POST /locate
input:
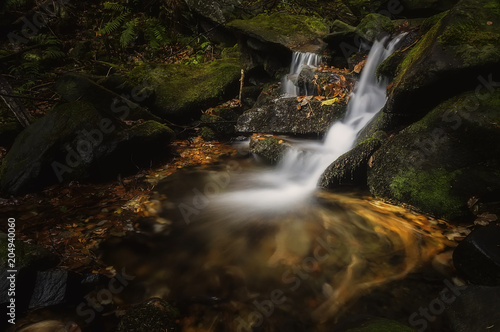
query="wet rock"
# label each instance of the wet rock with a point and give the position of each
(458, 49)
(477, 257)
(152, 315)
(183, 91)
(281, 116)
(270, 149)
(351, 167)
(438, 163)
(475, 310)
(76, 141)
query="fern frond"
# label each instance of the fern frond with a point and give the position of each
(129, 32)
(113, 25)
(155, 33)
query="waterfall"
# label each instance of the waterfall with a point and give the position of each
(289, 86)
(295, 178)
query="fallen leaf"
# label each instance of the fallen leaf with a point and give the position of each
(329, 101)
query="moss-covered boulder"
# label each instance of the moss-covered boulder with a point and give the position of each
(126, 105)
(75, 141)
(183, 91)
(294, 32)
(287, 116)
(269, 149)
(350, 168)
(438, 163)
(373, 26)
(462, 45)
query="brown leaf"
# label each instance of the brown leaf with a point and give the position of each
(359, 66)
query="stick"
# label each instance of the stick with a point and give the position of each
(241, 85)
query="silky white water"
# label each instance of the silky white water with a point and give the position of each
(299, 60)
(295, 178)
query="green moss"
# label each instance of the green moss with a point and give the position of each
(429, 190)
(291, 30)
(270, 149)
(181, 87)
(207, 134)
(374, 24)
(150, 128)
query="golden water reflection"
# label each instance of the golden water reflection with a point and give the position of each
(233, 271)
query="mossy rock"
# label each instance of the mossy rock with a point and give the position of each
(182, 91)
(375, 25)
(281, 116)
(295, 32)
(350, 169)
(28, 255)
(75, 87)
(9, 127)
(438, 163)
(75, 141)
(460, 46)
(381, 325)
(220, 126)
(270, 149)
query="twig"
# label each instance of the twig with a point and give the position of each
(241, 85)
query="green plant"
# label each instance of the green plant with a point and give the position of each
(130, 26)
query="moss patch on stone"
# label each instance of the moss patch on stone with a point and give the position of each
(428, 190)
(292, 31)
(373, 25)
(182, 91)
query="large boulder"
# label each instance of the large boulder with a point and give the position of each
(461, 50)
(287, 116)
(293, 32)
(74, 141)
(183, 91)
(438, 163)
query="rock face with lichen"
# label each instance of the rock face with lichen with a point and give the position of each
(438, 163)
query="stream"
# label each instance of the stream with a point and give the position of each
(262, 249)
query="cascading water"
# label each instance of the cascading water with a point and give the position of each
(299, 60)
(295, 178)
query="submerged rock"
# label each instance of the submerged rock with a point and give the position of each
(282, 116)
(438, 163)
